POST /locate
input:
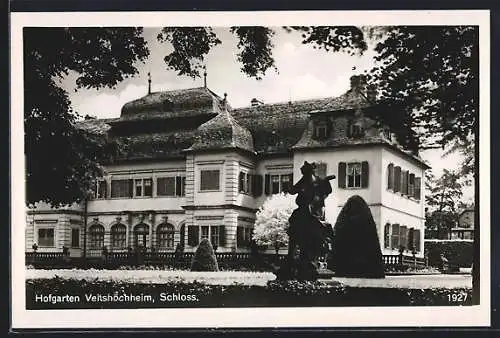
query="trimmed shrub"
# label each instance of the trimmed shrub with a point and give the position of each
(458, 253)
(204, 258)
(356, 247)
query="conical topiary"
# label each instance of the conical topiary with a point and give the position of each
(204, 258)
(356, 246)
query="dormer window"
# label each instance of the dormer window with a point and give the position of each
(356, 130)
(320, 130)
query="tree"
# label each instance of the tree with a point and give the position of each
(204, 258)
(62, 160)
(271, 222)
(428, 75)
(442, 198)
(356, 247)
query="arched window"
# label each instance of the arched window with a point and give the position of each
(141, 235)
(390, 176)
(165, 236)
(118, 236)
(96, 236)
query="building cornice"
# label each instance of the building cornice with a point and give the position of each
(218, 207)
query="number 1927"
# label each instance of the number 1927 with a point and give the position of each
(457, 297)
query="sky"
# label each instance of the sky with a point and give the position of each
(303, 73)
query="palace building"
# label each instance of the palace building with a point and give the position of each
(192, 167)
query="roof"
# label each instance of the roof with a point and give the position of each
(171, 104)
(222, 132)
(352, 99)
(276, 128)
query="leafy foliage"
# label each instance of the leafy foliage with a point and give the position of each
(271, 224)
(191, 45)
(204, 258)
(430, 74)
(458, 253)
(62, 160)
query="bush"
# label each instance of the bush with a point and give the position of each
(204, 258)
(291, 293)
(356, 248)
(458, 253)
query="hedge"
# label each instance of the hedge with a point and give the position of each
(458, 253)
(275, 294)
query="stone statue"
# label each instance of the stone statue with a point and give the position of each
(308, 234)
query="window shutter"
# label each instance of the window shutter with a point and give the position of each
(193, 235)
(395, 236)
(387, 235)
(397, 179)
(222, 236)
(411, 241)
(267, 184)
(390, 176)
(416, 238)
(239, 237)
(365, 174)
(341, 174)
(178, 186)
(418, 182)
(406, 179)
(403, 235)
(131, 188)
(257, 185)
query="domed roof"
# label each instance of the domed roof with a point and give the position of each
(172, 104)
(223, 132)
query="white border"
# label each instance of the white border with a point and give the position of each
(244, 317)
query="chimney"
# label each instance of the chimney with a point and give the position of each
(254, 102)
(371, 93)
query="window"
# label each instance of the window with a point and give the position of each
(46, 237)
(275, 184)
(121, 188)
(418, 182)
(243, 237)
(118, 236)
(245, 183)
(141, 235)
(143, 187)
(214, 233)
(214, 236)
(321, 170)
(101, 189)
(403, 237)
(411, 185)
(353, 175)
(183, 235)
(205, 230)
(165, 234)
(321, 130)
(96, 236)
(171, 186)
(396, 236)
(75, 238)
(209, 180)
(356, 130)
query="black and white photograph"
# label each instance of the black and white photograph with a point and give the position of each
(259, 169)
